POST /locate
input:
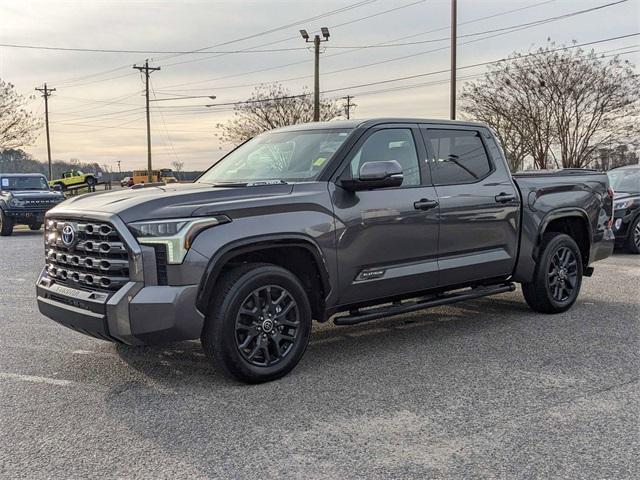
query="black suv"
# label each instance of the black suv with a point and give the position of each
(625, 182)
(24, 199)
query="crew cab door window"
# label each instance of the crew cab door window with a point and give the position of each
(459, 157)
(390, 144)
(386, 242)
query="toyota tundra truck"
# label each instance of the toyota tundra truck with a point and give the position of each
(349, 220)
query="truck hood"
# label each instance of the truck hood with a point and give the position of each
(35, 194)
(171, 201)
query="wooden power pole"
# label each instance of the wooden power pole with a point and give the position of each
(348, 106)
(147, 72)
(46, 93)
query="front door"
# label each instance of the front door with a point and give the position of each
(387, 239)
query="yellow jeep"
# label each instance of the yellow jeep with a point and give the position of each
(74, 177)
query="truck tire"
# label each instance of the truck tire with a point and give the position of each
(258, 324)
(6, 225)
(633, 240)
(91, 181)
(557, 277)
(35, 226)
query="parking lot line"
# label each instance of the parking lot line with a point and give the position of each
(34, 379)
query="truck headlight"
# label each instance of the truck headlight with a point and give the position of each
(15, 202)
(176, 234)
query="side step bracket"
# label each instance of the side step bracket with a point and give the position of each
(444, 299)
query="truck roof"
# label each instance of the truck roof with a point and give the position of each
(370, 122)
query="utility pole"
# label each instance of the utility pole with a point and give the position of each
(46, 93)
(454, 63)
(348, 106)
(316, 77)
(147, 72)
(119, 169)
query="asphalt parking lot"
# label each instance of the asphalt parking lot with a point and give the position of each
(485, 389)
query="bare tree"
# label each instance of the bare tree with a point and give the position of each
(18, 127)
(271, 106)
(556, 105)
(178, 166)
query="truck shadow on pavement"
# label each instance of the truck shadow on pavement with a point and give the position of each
(183, 362)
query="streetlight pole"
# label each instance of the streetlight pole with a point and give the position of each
(316, 71)
(454, 34)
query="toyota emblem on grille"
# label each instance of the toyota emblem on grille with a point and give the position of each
(68, 235)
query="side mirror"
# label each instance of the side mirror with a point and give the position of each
(382, 174)
(56, 188)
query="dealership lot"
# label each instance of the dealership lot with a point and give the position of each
(482, 389)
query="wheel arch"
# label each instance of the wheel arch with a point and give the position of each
(297, 253)
(573, 222)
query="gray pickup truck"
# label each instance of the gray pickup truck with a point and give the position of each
(24, 200)
(365, 219)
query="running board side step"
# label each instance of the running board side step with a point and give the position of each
(444, 299)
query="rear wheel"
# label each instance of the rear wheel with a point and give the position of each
(557, 277)
(633, 240)
(259, 323)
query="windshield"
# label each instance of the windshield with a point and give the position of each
(625, 180)
(296, 156)
(23, 183)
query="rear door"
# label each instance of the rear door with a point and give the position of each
(479, 204)
(387, 238)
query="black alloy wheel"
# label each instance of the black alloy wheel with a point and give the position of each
(267, 325)
(563, 274)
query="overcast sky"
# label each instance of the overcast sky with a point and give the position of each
(97, 110)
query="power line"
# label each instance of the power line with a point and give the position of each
(294, 37)
(408, 77)
(500, 32)
(282, 27)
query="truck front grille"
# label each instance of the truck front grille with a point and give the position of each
(86, 255)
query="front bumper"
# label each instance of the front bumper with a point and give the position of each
(26, 215)
(141, 312)
(134, 315)
(622, 220)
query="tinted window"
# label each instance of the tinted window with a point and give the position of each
(459, 157)
(390, 144)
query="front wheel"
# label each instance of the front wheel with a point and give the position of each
(35, 226)
(557, 277)
(91, 181)
(6, 225)
(633, 240)
(259, 323)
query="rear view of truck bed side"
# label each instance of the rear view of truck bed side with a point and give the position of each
(577, 203)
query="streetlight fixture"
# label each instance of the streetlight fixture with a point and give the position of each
(316, 81)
